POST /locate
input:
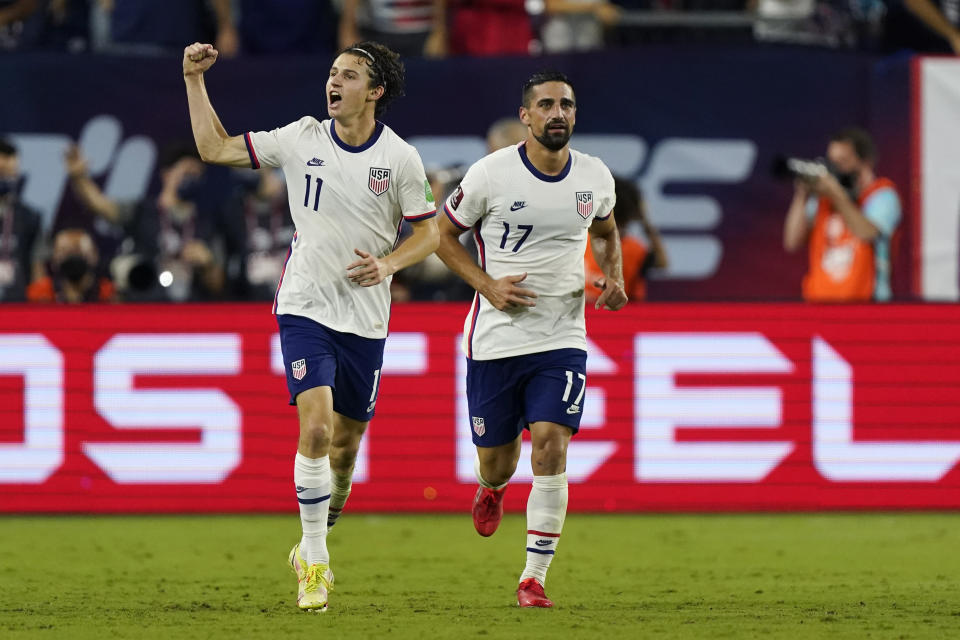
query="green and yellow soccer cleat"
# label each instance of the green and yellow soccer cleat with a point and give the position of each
(314, 582)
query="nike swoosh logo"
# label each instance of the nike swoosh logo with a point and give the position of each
(517, 207)
(544, 543)
(573, 409)
(370, 408)
(301, 489)
(315, 163)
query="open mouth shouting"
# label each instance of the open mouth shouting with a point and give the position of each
(333, 98)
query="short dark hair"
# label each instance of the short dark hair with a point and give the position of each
(386, 69)
(860, 140)
(542, 77)
(7, 148)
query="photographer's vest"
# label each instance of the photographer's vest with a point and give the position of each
(842, 267)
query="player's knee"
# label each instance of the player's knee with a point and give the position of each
(498, 469)
(549, 457)
(343, 455)
(316, 430)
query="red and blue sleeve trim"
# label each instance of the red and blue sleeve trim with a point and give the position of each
(421, 216)
(253, 154)
(606, 217)
(456, 222)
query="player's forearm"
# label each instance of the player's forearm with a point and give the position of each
(417, 246)
(94, 199)
(607, 253)
(458, 260)
(208, 132)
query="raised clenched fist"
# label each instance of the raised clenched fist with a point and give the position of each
(198, 57)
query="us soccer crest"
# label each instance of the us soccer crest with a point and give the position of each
(584, 203)
(478, 427)
(379, 180)
(299, 369)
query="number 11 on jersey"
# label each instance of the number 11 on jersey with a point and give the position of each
(316, 196)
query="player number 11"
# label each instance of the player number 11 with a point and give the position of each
(316, 195)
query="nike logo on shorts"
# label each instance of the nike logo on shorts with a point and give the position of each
(572, 409)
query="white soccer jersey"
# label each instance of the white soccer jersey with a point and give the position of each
(341, 198)
(525, 221)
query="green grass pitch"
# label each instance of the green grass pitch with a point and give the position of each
(431, 576)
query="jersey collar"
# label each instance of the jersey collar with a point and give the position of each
(522, 149)
(377, 130)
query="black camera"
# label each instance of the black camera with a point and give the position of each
(788, 168)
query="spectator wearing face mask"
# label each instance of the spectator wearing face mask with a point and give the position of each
(178, 242)
(19, 229)
(73, 274)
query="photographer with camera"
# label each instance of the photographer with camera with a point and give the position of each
(176, 243)
(847, 216)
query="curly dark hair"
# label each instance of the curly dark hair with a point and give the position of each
(385, 69)
(542, 77)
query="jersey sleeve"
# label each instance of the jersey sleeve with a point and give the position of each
(468, 202)
(268, 148)
(882, 208)
(608, 197)
(416, 197)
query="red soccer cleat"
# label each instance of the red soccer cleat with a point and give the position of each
(530, 594)
(487, 510)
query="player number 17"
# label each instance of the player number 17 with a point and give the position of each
(526, 228)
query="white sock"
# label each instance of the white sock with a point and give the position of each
(480, 480)
(546, 511)
(340, 485)
(312, 477)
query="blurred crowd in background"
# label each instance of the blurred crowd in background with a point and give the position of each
(439, 28)
(213, 233)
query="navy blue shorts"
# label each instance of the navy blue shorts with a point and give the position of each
(317, 356)
(507, 394)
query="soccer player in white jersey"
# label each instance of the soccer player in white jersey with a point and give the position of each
(351, 183)
(531, 208)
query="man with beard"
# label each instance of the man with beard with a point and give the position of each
(847, 217)
(531, 208)
(351, 181)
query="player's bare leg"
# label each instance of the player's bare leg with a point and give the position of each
(347, 434)
(546, 509)
(310, 559)
(494, 466)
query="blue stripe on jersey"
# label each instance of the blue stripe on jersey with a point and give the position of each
(316, 500)
(522, 150)
(253, 156)
(422, 216)
(456, 222)
(541, 551)
(377, 130)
